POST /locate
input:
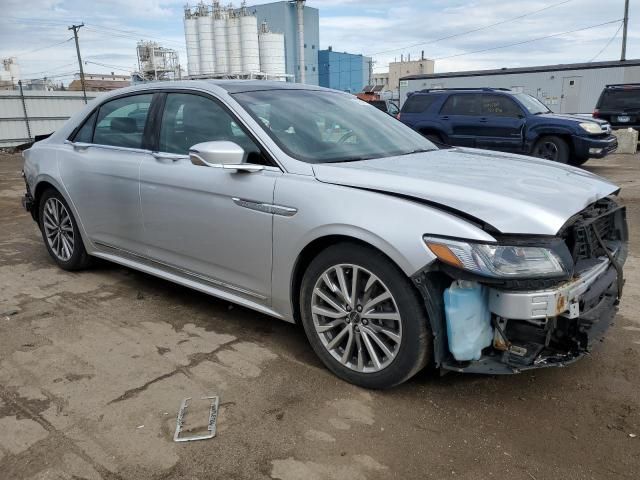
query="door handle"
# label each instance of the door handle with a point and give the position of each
(446, 117)
(483, 120)
(167, 156)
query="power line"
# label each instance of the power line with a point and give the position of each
(470, 31)
(116, 67)
(22, 54)
(607, 44)
(529, 41)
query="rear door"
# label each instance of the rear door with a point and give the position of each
(460, 117)
(100, 171)
(501, 124)
(205, 221)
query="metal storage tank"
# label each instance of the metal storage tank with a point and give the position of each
(192, 42)
(250, 45)
(220, 39)
(272, 59)
(234, 43)
(205, 36)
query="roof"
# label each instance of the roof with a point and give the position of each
(98, 85)
(543, 68)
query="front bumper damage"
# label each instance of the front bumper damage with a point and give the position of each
(537, 328)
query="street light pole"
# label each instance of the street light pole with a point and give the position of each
(75, 29)
(623, 56)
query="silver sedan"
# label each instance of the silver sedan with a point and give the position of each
(312, 206)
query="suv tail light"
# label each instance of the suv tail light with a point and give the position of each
(596, 113)
(398, 116)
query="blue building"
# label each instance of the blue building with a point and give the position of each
(343, 71)
(281, 17)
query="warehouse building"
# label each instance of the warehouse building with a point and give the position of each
(343, 71)
(565, 88)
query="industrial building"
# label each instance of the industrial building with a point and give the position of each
(565, 88)
(390, 80)
(9, 73)
(100, 82)
(156, 62)
(300, 26)
(264, 41)
(343, 71)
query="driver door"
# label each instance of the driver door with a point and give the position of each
(193, 219)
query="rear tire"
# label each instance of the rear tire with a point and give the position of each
(60, 232)
(552, 148)
(577, 162)
(434, 137)
(372, 344)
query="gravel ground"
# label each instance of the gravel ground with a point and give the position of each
(93, 367)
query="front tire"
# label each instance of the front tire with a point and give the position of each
(552, 148)
(60, 232)
(363, 317)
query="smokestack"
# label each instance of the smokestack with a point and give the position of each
(300, 11)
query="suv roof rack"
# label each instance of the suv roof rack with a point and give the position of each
(481, 89)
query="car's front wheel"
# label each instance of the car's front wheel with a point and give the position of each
(60, 232)
(363, 317)
(552, 148)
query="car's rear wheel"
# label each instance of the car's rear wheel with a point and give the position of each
(60, 232)
(577, 162)
(363, 317)
(552, 148)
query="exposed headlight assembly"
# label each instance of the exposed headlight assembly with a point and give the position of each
(498, 261)
(591, 127)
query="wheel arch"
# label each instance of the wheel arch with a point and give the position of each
(311, 250)
(536, 134)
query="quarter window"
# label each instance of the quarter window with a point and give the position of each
(191, 119)
(121, 122)
(418, 103)
(85, 134)
(465, 104)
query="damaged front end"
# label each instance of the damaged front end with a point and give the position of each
(488, 319)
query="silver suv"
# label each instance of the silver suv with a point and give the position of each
(312, 206)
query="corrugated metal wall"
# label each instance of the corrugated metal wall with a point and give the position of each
(563, 91)
(46, 112)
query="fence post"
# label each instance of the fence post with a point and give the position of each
(24, 109)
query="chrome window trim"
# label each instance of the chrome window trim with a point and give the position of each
(182, 271)
(107, 147)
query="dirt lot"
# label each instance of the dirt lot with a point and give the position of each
(93, 367)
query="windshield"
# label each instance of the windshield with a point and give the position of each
(324, 127)
(532, 104)
(621, 100)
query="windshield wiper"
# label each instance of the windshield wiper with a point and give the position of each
(418, 150)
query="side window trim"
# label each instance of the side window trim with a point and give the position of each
(159, 114)
(86, 119)
(151, 135)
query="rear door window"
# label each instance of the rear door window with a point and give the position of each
(462, 104)
(418, 103)
(121, 122)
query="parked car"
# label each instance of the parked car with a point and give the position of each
(499, 119)
(620, 106)
(392, 254)
(387, 106)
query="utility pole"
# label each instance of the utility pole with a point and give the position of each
(623, 56)
(75, 29)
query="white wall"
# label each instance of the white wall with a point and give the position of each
(47, 111)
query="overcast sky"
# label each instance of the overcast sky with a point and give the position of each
(369, 27)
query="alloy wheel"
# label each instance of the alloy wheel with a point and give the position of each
(356, 318)
(58, 228)
(547, 150)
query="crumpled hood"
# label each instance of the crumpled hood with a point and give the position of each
(513, 193)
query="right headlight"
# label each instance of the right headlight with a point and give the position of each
(498, 261)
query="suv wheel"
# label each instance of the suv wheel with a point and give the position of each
(60, 232)
(363, 317)
(552, 148)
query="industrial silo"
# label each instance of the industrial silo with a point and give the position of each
(272, 59)
(192, 42)
(205, 37)
(234, 43)
(250, 45)
(220, 38)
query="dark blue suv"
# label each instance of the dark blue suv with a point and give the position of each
(499, 119)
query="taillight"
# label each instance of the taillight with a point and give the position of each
(398, 116)
(596, 113)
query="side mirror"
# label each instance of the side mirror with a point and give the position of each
(221, 154)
